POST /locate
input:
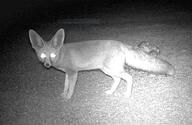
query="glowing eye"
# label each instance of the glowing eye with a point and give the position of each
(52, 55)
(43, 55)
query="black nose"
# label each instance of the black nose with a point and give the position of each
(47, 65)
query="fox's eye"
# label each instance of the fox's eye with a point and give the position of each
(43, 55)
(52, 55)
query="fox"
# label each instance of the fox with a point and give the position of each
(108, 56)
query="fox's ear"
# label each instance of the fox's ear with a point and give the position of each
(58, 39)
(36, 41)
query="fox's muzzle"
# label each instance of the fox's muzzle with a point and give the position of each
(47, 64)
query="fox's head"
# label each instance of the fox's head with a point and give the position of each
(47, 51)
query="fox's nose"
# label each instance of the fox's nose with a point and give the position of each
(47, 65)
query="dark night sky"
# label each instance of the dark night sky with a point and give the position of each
(10, 9)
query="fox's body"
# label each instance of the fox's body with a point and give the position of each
(85, 55)
(107, 55)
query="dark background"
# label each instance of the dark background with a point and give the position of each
(23, 12)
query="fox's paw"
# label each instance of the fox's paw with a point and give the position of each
(68, 96)
(65, 96)
(109, 92)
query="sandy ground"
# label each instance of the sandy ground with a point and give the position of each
(30, 94)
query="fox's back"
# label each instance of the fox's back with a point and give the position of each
(92, 46)
(88, 54)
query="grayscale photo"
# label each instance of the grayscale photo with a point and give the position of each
(96, 62)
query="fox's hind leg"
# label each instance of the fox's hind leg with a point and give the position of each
(117, 72)
(129, 82)
(128, 79)
(116, 78)
(114, 86)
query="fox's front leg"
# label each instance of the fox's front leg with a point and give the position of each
(70, 82)
(66, 86)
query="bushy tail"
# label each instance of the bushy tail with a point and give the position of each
(141, 60)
